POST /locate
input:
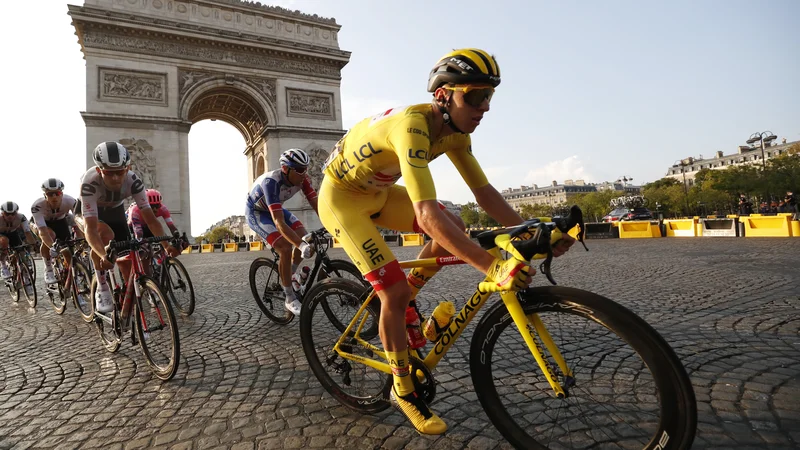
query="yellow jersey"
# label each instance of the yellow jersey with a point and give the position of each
(379, 150)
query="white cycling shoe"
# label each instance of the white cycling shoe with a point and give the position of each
(104, 302)
(293, 306)
(5, 273)
(49, 277)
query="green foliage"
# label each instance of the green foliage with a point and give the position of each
(530, 211)
(470, 214)
(218, 233)
(595, 205)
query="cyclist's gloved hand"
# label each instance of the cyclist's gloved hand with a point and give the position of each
(510, 274)
(172, 251)
(306, 250)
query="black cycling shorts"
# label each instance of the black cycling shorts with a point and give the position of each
(115, 219)
(13, 239)
(60, 228)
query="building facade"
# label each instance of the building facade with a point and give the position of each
(686, 170)
(552, 195)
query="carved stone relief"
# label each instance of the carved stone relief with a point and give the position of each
(318, 156)
(132, 86)
(117, 42)
(187, 79)
(318, 105)
(143, 161)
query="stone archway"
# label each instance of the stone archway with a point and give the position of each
(155, 67)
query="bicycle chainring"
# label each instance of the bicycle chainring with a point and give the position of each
(424, 383)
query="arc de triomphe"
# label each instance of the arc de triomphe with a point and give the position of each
(155, 67)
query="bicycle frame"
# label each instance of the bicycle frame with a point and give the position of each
(321, 260)
(531, 323)
(132, 293)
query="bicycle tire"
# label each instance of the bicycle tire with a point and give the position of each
(340, 268)
(81, 286)
(184, 283)
(272, 291)
(12, 284)
(25, 273)
(110, 335)
(338, 380)
(164, 313)
(615, 369)
(27, 259)
(59, 302)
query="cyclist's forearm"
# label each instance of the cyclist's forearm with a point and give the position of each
(496, 206)
(447, 234)
(45, 235)
(288, 233)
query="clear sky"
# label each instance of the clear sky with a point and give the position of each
(592, 90)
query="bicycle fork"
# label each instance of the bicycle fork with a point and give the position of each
(533, 330)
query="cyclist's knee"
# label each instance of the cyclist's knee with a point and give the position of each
(396, 297)
(3, 241)
(283, 247)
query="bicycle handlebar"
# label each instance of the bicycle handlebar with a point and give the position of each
(534, 239)
(115, 247)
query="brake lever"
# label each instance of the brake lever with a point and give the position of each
(544, 267)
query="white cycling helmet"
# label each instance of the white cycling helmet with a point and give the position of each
(52, 184)
(9, 207)
(295, 158)
(111, 155)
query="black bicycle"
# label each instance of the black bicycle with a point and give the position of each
(268, 292)
(173, 278)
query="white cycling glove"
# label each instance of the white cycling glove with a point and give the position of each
(306, 250)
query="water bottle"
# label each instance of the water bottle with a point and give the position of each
(296, 282)
(439, 320)
(415, 338)
(304, 274)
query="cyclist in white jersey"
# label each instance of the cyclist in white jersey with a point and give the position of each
(11, 224)
(53, 216)
(104, 188)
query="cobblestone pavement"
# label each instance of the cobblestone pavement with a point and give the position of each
(729, 307)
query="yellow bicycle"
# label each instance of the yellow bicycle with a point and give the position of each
(575, 370)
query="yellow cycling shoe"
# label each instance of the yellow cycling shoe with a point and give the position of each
(417, 412)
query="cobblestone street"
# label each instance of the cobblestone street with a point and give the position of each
(729, 307)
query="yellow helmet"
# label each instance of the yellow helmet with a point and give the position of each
(465, 66)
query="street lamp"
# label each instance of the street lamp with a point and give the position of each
(624, 180)
(765, 136)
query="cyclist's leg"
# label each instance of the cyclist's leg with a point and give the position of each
(399, 215)
(4, 244)
(297, 226)
(115, 219)
(348, 216)
(261, 222)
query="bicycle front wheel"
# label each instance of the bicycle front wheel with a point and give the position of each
(265, 285)
(28, 285)
(110, 331)
(157, 330)
(56, 292)
(353, 384)
(179, 286)
(628, 388)
(83, 291)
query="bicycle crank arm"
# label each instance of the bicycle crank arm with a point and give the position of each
(104, 318)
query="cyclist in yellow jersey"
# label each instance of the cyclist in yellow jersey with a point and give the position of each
(359, 192)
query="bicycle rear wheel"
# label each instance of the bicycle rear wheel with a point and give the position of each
(628, 390)
(179, 286)
(83, 291)
(157, 330)
(28, 260)
(353, 384)
(267, 291)
(344, 307)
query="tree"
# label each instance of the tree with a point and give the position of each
(533, 210)
(218, 234)
(469, 214)
(794, 149)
